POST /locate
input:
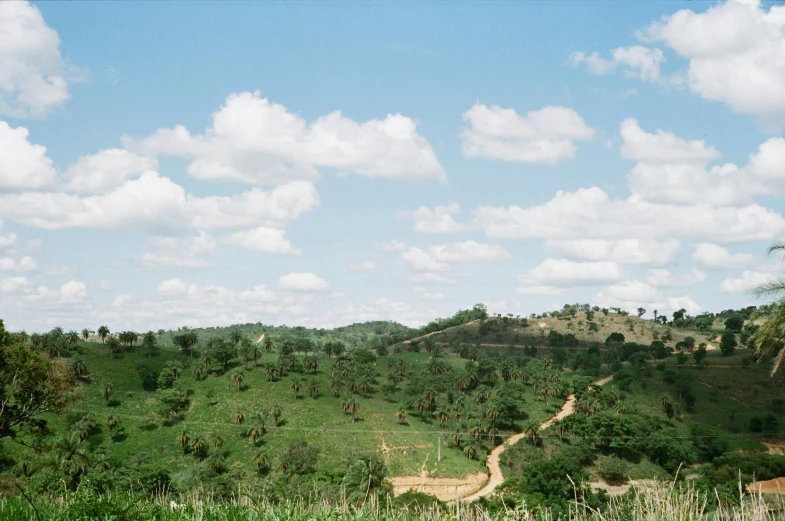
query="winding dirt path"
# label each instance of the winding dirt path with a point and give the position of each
(475, 486)
(496, 479)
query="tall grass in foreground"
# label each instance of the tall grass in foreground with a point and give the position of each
(650, 502)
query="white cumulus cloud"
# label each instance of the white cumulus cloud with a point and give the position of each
(547, 135)
(637, 61)
(32, 78)
(254, 140)
(302, 282)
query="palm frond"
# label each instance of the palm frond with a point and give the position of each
(776, 248)
(770, 335)
(769, 289)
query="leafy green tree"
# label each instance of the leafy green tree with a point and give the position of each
(728, 343)
(734, 323)
(366, 476)
(299, 458)
(221, 351)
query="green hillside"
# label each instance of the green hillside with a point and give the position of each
(303, 412)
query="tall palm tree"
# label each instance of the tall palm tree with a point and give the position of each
(199, 447)
(108, 391)
(103, 332)
(257, 432)
(184, 439)
(236, 336)
(275, 412)
(313, 389)
(261, 461)
(238, 378)
(114, 345)
(112, 421)
(771, 334)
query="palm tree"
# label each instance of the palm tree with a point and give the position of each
(238, 378)
(103, 332)
(401, 416)
(261, 461)
(184, 439)
(86, 334)
(235, 336)
(771, 334)
(112, 421)
(352, 406)
(532, 432)
(275, 412)
(108, 391)
(114, 345)
(79, 368)
(257, 432)
(199, 448)
(313, 389)
(667, 405)
(470, 451)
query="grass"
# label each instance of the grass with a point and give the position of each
(411, 447)
(504, 333)
(650, 502)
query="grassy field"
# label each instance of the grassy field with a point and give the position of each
(408, 448)
(504, 331)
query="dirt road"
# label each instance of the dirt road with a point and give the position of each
(471, 487)
(497, 477)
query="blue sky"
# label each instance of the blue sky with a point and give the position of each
(206, 163)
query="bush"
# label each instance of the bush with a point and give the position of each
(613, 471)
(728, 343)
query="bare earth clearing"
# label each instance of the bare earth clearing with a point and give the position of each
(470, 488)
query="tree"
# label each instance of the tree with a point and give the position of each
(667, 405)
(238, 378)
(275, 412)
(184, 439)
(366, 476)
(108, 391)
(257, 432)
(261, 461)
(112, 422)
(734, 323)
(728, 343)
(114, 346)
(150, 341)
(313, 389)
(772, 333)
(299, 458)
(103, 332)
(221, 351)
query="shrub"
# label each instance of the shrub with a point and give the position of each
(613, 471)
